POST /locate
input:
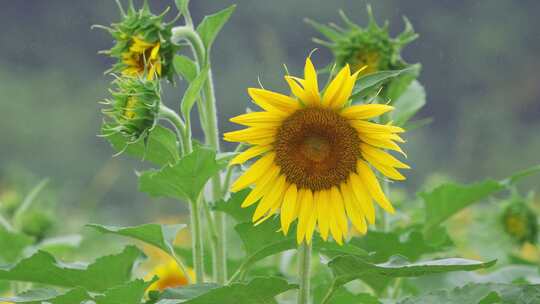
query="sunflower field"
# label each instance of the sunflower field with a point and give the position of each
(327, 179)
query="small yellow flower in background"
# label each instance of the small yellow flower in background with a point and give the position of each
(142, 44)
(520, 222)
(316, 156)
(170, 276)
(371, 46)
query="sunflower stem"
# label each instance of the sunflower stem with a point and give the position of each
(304, 272)
(197, 241)
(179, 126)
(208, 117)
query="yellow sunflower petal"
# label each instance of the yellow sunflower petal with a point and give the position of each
(263, 186)
(298, 90)
(249, 154)
(337, 234)
(310, 229)
(272, 101)
(333, 89)
(289, 207)
(371, 127)
(382, 157)
(362, 197)
(311, 85)
(305, 214)
(373, 186)
(354, 213)
(345, 91)
(387, 171)
(155, 52)
(339, 209)
(254, 173)
(323, 200)
(365, 111)
(383, 143)
(270, 199)
(260, 119)
(252, 135)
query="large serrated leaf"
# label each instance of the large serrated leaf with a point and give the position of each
(212, 25)
(104, 273)
(161, 146)
(408, 242)
(128, 293)
(52, 296)
(347, 268)
(257, 291)
(160, 236)
(481, 294)
(183, 180)
(232, 206)
(12, 245)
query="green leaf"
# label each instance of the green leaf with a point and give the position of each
(212, 24)
(481, 294)
(161, 147)
(51, 296)
(325, 30)
(409, 242)
(265, 240)
(399, 85)
(160, 236)
(105, 272)
(183, 180)
(12, 245)
(257, 291)
(409, 103)
(516, 177)
(232, 206)
(129, 293)
(193, 92)
(185, 67)
(347, 268)
(448, 199)
(343, 296)
(188, 292)
(368, 84)
(59, 244)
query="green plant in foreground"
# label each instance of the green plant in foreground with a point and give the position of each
(324, 154)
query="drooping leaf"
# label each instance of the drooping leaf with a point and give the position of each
(212, 25)
(516, 177)
(183, 180)
(409, 242)
(257, 291)
(185, 67)
(52, 296)
(104, 273)
(12, 245)
(161, 147)
(160, 236)
(193, 92)
(481, 294)
(409, 103)
(347, 268)
(128, 293)
(59, 244)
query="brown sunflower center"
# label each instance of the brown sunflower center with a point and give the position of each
(316, 148)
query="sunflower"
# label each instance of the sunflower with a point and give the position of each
(142, 57)
(316, 156)
(170, 276)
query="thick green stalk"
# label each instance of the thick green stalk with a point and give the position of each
(208, 116)
(197, 242)
(304, 273)
(179, 126)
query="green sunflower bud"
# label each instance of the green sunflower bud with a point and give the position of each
(142, 43)
(134, 108)
(370, 48)
(519, 221)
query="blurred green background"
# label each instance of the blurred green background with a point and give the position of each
(480, 63)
